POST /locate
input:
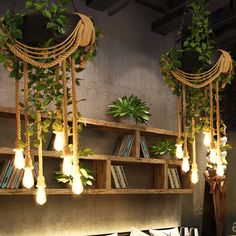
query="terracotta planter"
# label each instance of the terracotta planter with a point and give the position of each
(34, 29)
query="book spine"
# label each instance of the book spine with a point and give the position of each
(123, 185)
(3, 173)
(174, 177)
(130, 145)
(170, 179)
(124, 176)
(126, 139)
(127, 148)
(114, 176)
(20, 178)
(118, 175)
(178, 179)
(15, 179)
(12, 177)
(8, 174)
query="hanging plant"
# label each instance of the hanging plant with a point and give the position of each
(46, 46)
(197, 74)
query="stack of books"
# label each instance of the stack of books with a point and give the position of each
(11, 177)
(124, 145)
(173, 177)
(118, 176)
(144, 147)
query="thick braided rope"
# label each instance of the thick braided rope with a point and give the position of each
(211, 116)
(18, 120)
(194, 142)
(178, 117)
(28, 161)
(74, 116)
(57, 72)
(64, 110)
(85, 35)
(223, 65)
(40, 146)
(184, 119)
(217, 119)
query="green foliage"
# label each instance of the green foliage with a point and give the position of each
(86, 174)
(200, 40)
(163, 147)
(130, 106)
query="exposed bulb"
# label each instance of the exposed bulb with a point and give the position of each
(28, 178)
(194, 177)
(19, 161)
(41, 197)
(67, 165)
(59, 140)
(179, 151)
(213, 156)
(220, 169)
(207, 139)
(77, 186)
(223, 140)
(185, 164)
(224, 154)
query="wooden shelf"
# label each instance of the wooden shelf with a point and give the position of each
(10, 112)
(95, 191)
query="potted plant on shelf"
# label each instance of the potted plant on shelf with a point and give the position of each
(130, 110)
(164, 149)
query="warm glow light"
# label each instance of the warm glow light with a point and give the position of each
(77, 186)
(207, 139)
(213, 156)
(220, 169)
(28, 179)
(67, 165)
(224, 154)
(223, 140)
(41, 197)
(179, 151)
(59, 140)
(194, 177)
(19, 161)
(185, 164)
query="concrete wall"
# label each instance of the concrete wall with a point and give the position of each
(127, 63)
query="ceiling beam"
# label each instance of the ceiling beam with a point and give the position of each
(100, 5)
(173, 18)
(152, 6)
(119, 8)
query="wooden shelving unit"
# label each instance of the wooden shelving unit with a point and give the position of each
(156, 169)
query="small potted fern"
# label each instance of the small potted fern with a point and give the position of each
(130, 110)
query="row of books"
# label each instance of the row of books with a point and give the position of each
(173, 177)
(125, 143)
(118, 176)
(11, 177)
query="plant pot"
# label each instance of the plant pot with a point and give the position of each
(34, 28)
(166, 157)
(129, 120)
(191, 64)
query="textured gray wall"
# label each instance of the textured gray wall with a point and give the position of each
(127, 63)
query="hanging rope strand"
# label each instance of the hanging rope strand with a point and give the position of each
(74, 113)
(218, 118)
(40, 146)
(178, 118)
(211, 116)
(18, 120)
(194, 141)
(184, 119)
(64, 104)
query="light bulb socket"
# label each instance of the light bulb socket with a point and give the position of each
(194, 167)
(41, 181)
(28, 163)
(66, 151)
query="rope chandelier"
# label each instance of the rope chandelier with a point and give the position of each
(59, 56)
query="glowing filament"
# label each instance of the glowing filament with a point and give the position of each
(67, 165)
(179, 151)
(207, 139)
(41, 197)
(213, 156)
(59, 140)
(194, 177)
(28, 179)
(77, 186)
(185, 164)
(220, 169)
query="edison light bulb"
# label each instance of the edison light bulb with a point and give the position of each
(223, 140)
(77, 186)
(194, 177)
(185, 164)
(28, 179)
(213, 156)
(19, 161)
(220, 169)
(67, 165)
(59, 140)
(41, 197)
(179, 151)
(207, 139)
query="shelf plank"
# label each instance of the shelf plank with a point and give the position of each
(10, 113)
(96, 191)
